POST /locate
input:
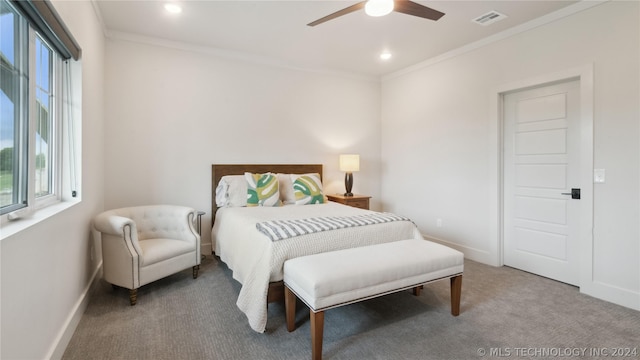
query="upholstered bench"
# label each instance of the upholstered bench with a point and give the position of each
(328, 280)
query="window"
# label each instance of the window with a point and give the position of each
(31, 108)
(46, 123)
(13, 101)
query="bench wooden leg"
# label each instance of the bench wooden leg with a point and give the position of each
(456, 292)
(290, 308)
(317, 328)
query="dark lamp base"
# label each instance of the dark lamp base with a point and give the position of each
(348, 184)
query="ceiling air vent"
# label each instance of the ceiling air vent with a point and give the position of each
(489, 18)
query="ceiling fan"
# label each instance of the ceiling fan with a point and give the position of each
(384, 7)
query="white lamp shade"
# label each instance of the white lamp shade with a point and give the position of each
(350, 162)
(378, 7)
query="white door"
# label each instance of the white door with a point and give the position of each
(541, 166)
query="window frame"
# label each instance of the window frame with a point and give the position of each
(56, 104)
(25, 153)
(20, 180)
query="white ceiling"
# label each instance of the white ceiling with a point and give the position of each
(276, 31)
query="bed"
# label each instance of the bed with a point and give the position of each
(257, 261)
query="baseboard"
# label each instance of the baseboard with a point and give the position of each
(66, 332)
(597, 289)
(206, 249)
(470, 253)
(612, 294)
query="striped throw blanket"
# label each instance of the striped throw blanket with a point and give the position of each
(284, 229)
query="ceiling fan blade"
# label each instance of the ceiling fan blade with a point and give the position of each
(336, 14)
(410, 8)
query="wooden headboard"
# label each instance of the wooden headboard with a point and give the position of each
(220, 170)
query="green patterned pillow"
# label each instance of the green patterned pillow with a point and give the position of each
(307, 189)
(262, 189)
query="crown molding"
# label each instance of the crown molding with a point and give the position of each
(232, 55)
(532, 24)
(278, 63)
(96, 10)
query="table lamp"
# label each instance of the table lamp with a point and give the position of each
(349, 163)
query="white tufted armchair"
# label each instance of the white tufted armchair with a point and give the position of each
(145, 243)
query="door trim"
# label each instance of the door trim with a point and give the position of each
(584, 75)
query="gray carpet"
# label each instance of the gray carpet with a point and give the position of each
(505, 313)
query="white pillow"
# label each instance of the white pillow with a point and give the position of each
(286, 189)
(222, 196)
(234, 188)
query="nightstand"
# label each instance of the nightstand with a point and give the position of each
(359, 201)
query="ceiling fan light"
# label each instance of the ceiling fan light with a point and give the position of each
(378, 7)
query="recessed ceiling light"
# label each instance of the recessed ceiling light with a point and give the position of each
(173, 8)
(385, 55)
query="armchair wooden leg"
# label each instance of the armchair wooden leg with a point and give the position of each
(133, 296)
(195, 271)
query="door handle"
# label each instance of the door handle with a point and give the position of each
(575, 194)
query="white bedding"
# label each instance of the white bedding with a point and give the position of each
(255, 260)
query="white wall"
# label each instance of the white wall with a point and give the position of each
(168, 114)
(172, 112)
(47, 268)
(439, 146)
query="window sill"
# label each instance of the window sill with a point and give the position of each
(13, 227)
